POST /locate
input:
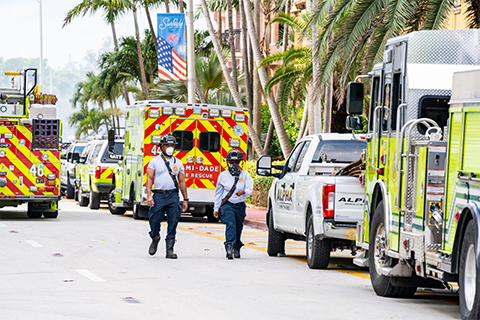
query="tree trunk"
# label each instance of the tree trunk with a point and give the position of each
(140, 58)
(277, 120)
(257, 89)
(199, 90)
(309, 105)
(303, 124)
(180, 4)
(316, 101)
(152, 30)
(231, 42)
(246, 70)
(124, 84)
(167, 6)
(268, 139)
(255, 141)
(219, 27)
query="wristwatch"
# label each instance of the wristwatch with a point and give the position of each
(185, 199)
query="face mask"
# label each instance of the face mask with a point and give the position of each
(169, 151)
(234, 169)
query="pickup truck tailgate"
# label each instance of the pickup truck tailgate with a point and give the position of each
(349, 199)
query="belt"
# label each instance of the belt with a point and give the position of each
(164, 191)
(235, 204)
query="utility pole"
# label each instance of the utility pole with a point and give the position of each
(190, 53)
(40, 78)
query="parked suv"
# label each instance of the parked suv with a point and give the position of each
(96, 173)
(67, 170)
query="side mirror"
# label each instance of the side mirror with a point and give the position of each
(264, 166)
(111, 141)
(82, 159)
(355, 98)
(75, 157)
(354, 123)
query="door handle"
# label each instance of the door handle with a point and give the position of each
(292, 185)
(282, 185)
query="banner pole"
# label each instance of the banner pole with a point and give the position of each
(190, 53)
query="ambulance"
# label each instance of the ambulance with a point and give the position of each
(29, 147)
(204, 133)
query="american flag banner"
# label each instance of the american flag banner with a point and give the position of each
(171, 46)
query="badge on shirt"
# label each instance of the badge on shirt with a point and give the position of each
(240, 179)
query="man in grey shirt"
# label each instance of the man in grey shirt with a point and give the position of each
(169, 176)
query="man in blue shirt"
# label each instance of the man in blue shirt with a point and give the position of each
(169, 176)
(233, 186)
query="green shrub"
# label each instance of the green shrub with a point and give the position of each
(261, 185)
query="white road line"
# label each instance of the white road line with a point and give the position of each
(2, 225)
(34, 243)
(90, 275)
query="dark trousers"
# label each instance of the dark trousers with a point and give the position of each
(164, 204)
(233, 217)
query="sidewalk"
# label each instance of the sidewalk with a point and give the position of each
(256, 218)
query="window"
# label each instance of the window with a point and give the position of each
(209, 141)
(116, 155)
(374, 99)
(184, 140)
(435, 108)
(301, 156)
(339, 151)
(94, 154)
(293, 157)
(78, 149)
(396, 99)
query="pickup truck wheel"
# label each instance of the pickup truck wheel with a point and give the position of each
(111, 199)
(318, 251)
(82, 200)
(139, 212)
(276, 240)
(378, 258)
(94, 199)
(469, 276)
(70, 190)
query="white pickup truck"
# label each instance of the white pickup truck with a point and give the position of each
(310, 201)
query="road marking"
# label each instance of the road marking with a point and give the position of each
(34, 243)
(2, 225)
(90, 275)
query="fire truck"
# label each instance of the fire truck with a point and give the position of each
(204, 132)
(421, 223)
(29, 146)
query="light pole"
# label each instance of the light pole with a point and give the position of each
(40, 78)
(190, 53)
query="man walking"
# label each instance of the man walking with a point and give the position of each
(169, 176)
(233, 186)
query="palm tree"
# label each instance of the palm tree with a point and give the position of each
(112, 9)
(94, 120)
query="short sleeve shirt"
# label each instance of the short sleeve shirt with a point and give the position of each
(162, 178)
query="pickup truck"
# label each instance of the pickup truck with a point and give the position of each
(311, 200)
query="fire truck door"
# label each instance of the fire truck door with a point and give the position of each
(184, 130)
(208, 155)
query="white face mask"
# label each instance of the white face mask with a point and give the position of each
(169, 151)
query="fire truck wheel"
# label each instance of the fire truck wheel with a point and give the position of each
(318, 251)
(276, 240)
(34, 214)
(377, 258)
(469, 276)
(111, 199)
(70, 190)
(82, 200)
(50, 215)
(94, 199)
(139, 212)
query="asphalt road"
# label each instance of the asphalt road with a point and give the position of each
(92, 265)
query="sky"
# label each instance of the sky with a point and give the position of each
(22, 36)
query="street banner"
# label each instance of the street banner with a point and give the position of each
(171, 46)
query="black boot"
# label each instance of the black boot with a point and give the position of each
(153, 246)
(229, 250)
(170, 243)
(236, 252)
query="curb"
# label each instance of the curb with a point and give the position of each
(256, 224)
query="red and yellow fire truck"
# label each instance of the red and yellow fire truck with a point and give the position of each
(205, 133)
(29, 146)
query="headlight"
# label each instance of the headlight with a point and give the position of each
(21, 142)
(8, 135)
(239, 117)
(154, 113)
(226, 113)
(156, 139)
(214, 113)
(167, 111)
(180, 111)
(234, 143)
(3, 153)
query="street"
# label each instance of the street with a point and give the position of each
(93, 265)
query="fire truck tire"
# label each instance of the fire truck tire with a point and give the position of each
(139, 212)
(34, 214)
(469, 276)
(276, 240)
(82, 201)
(381, 284)
(111, 199)
(70, 190)
(94, 199)
(51, 214)
(318, 250)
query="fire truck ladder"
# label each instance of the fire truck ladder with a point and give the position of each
(17, 94)
(410, 171)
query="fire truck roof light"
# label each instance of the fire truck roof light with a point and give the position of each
(214, 113)
(180, 111)
(167, 111)
(234, 143)
(239, 117)
(154, 113)
(156, 139)
(226, 113)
